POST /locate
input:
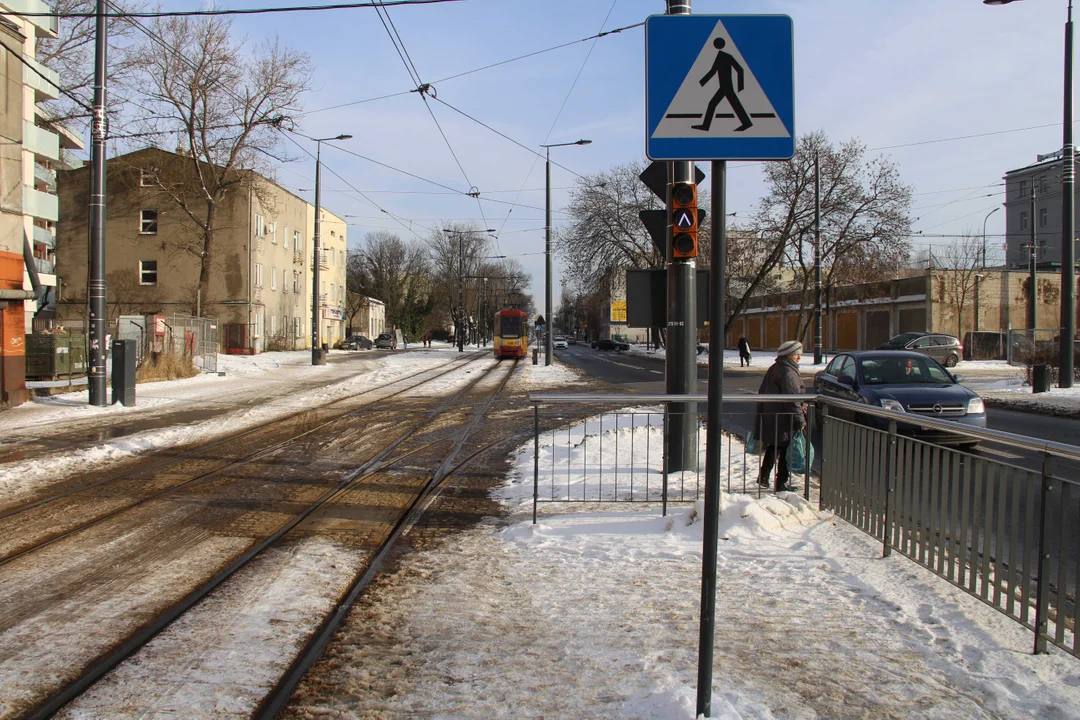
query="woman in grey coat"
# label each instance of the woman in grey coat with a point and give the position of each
(777, 422)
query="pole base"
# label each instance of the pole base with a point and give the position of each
(318, 356)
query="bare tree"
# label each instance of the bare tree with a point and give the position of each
(396, 272)
(221, 107)
(127, 296)
(864, 219)
(960, 264)
(454, 256)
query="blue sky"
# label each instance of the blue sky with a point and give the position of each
(888, 73)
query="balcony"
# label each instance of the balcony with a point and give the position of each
(45, 237)
(322, 299)
(46, 82)
(47, 25)
(40, 205)
(45, 144)
(324, 260)
(45, 266)
(298, 257)
(45, 176)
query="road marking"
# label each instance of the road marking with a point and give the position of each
(656, 372)
(1001, 453)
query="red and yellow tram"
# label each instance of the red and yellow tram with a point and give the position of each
(511, 334)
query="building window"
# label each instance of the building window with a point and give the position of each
(1042, 217)
(285, 237)
(1023, 221)
(258, 323)
(260, 226)
(272, 230)
(296, 283)
(148, 272)
(285, 281)
(148, 177)
(296, 327)
(148, 222)
(273, 278)
(256, 275)
(1044, 184)
(298, 240)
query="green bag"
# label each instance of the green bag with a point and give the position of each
(754, 446)
(800, 454)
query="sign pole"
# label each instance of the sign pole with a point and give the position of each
(680, 360)
(96, 288)
(713, 439)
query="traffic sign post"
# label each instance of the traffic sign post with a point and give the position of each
(719, 87)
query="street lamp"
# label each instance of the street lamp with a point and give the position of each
(1068, 214)
(548, 349)
(984, 235)
(317, 355)
(461, 279)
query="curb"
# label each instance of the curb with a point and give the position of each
(1030, 407)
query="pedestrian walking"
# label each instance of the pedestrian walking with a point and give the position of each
(777, 422)
(744, 351)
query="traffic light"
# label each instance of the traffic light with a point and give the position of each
(684, 220)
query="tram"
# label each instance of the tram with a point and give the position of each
(511, 334)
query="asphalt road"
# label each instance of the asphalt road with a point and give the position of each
(638, 374)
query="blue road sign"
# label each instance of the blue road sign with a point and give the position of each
(719, 87)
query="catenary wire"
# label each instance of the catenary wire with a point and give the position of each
(236, 11)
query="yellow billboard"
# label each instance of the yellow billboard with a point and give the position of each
(618, 311)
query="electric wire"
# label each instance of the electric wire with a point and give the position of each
(235, 11)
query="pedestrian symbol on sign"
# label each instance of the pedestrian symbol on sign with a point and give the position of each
(722, 70)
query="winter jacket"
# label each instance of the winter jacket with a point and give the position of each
(777, 421)
(744, 347)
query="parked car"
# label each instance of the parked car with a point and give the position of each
(389, 340)
(560, 341)
(571, 339)
(946, 349)
(608, 344)
(356, 342)
(904, 381)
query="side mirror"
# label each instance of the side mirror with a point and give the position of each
(847, 380)
(958, 378)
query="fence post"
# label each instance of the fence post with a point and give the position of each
(1042, 594)
(663, 506)
(536, 458)
(810, 451)
(824, 458)
(890, 485)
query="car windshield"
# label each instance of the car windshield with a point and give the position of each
(902, 340)
(511, 326)
(384, 336)
(903, 371)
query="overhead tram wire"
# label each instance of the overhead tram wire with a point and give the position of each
(236, 11)
(561, 108)
(476, 70)
(422, 89)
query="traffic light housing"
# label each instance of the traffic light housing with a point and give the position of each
(684, 220)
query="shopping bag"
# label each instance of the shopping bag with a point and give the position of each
(754, 446)
(800, 454)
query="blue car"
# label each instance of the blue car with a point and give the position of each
(906, 382)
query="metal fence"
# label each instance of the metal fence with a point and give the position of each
(993, 513)
(1029, 346)
(194, 337)
(595, 449)
(1004, 533)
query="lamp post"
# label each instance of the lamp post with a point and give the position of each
(1068, 214)
(984, 235)
(317, 355)
(461, 279)
(548, 349)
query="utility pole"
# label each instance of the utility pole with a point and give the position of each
(817, 261)
(1033, 294)
(318, 357)
(461, 294)
(1068, 222)
(96, 287)
(984, 235)
(680, 360)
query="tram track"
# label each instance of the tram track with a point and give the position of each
(217, 467)
(376, 463)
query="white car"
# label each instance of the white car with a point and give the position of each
(560, 341)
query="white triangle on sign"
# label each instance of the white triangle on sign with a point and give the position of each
(692, 100)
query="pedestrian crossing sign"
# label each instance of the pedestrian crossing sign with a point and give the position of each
(719, 87)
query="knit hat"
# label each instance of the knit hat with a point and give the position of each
(791, 347)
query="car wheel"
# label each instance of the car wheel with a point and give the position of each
(951, 361)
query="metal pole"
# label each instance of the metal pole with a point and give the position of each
(984, 235)
(1068, 223)
(1033, 315)
(317, 357)
(681, 356)
(817, 261)
(461, 294)
(96, 288)
(713, 441)
(548, 323)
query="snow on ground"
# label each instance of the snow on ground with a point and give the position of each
(539, 376)
(1059, 402)
(271, 377)
(595, 614)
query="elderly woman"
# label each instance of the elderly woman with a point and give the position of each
(777, 422)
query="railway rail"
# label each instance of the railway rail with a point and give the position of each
(377, 463)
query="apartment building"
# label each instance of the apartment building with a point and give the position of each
(32, 148)
(260, 278)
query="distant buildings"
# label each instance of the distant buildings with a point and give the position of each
(1035, 218)
(260, 270)
(32, 148)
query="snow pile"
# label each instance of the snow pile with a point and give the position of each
(540, 376)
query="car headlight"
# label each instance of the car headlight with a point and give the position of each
(889, 404)
(976, 406)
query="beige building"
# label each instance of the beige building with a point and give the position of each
(260, 280)
(370, 318)
(32, 148)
